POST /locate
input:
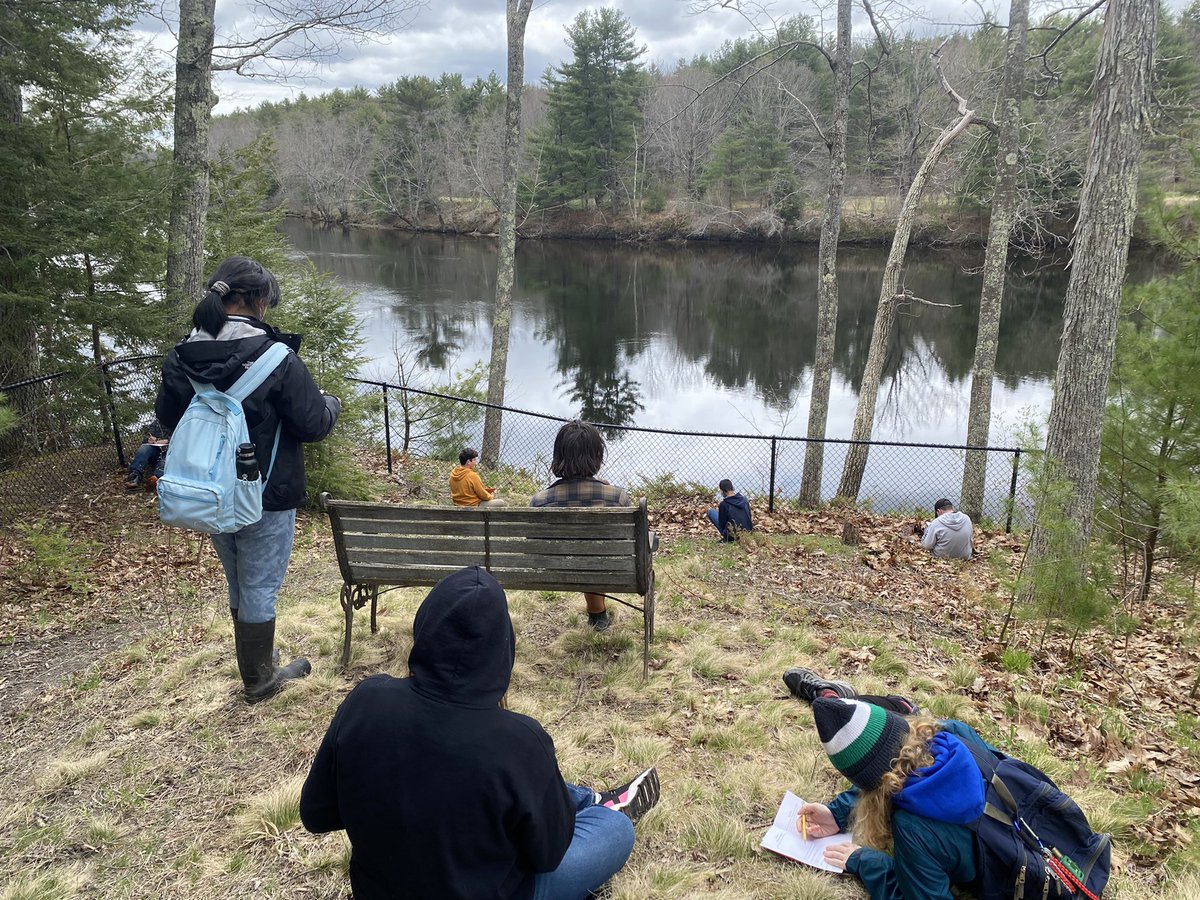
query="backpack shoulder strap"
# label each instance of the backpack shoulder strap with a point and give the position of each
(986, 761)
(258, 371)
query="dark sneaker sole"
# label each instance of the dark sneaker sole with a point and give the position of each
(638, 797)
(805, 685)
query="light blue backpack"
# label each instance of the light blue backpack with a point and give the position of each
(199, 488)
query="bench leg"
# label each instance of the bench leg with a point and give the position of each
(348, 608)
(647, 628)
(374, 606)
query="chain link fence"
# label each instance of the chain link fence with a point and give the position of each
(83, 426)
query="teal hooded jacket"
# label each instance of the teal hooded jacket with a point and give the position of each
(928, 856)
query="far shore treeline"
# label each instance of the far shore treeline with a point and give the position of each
(720, 146)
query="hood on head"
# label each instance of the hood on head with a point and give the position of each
(463, 644)
(954, 521)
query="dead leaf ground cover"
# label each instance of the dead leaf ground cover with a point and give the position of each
(141, 774)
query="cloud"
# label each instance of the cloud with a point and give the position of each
(468, 37)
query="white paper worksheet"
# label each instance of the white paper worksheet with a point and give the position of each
(783, 838)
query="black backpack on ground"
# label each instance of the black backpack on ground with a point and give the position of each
(1033, 840)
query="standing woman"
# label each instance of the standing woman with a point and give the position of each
(229, 335)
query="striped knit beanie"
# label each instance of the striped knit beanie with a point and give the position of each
(862, 740)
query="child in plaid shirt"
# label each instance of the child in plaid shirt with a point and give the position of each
(578, 456)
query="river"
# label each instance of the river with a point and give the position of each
(706, 337)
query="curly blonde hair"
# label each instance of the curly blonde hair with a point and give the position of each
(872, 818)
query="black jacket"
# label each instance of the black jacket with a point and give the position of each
(442, 793)
(289, 395)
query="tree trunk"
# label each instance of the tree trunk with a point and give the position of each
(518, 15)
(18, 334)
(1107, 205)
(189, 191)
(1154, 525)
(885, 314)
(827, 286)
(995, 263)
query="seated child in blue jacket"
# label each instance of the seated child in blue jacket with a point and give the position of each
(733, 515)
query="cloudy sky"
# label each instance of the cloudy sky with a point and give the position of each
(468, 37)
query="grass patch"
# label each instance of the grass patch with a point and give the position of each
(1014, 660)
(57, 885)
(962, 676)
(270, 814)
(154, 774)
(68, 770)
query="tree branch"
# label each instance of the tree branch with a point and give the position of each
(1062, 33)
(812, 118)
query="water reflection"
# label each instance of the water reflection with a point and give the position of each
(708, 337)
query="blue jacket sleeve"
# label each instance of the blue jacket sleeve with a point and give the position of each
(877, 873)
(874, 869)
(842, 806)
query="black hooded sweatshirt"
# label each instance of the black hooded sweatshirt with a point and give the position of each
(442, 793)
(289, 395)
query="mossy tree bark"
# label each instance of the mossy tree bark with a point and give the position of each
(827, 254)
(995, 263)
(194, 101)
(517, 16)
(1107, 205)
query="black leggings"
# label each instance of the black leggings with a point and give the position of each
(892, 703)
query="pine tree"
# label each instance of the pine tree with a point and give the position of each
(594, 104)
(79, 219)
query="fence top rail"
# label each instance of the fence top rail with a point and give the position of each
(54, 376)
(386, 385)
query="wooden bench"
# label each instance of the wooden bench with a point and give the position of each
(598, 550)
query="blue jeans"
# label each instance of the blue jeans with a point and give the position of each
(147, 456)
(714, 517)
(255, 560)
(602, 842)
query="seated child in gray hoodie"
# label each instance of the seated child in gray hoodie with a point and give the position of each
(949, 534)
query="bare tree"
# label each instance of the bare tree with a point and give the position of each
(991, 297)
(890, 293)
(285, 35)
(516, 18)
(194, 101)
(322, 159)
(683, 126)
(1108, 202)
(827, 285)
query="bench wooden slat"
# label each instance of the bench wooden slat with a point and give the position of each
(505, 544)
(516, 579)
(597, 531)
(527, 516)
(618, 565)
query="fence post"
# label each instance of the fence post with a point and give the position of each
(387, 428)
(771, 489)
(1012, 491)
(112, 416)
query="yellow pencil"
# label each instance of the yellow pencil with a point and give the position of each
(803, 826)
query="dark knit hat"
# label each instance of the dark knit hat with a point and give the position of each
(862, 740)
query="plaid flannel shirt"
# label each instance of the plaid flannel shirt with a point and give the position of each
(581, 492)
